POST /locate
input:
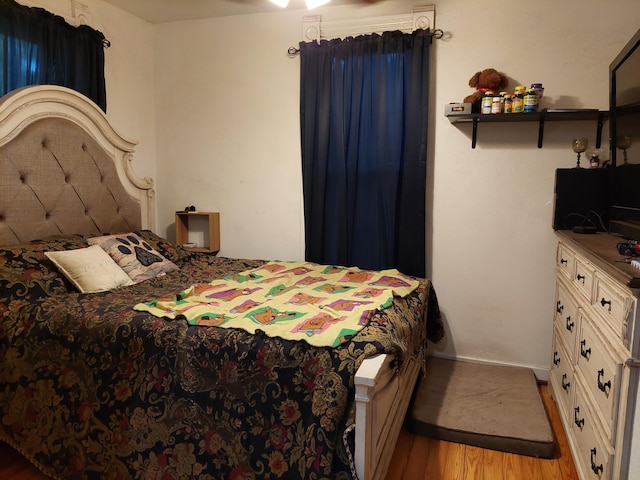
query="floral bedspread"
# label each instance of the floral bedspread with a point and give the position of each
(90, 388)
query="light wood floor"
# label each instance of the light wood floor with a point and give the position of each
(422, 458)
(417, 458)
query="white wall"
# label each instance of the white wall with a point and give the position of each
(130, 80)
(228, 126)
(225, 137)
(227, 97)
(493, 248)
(227, 104)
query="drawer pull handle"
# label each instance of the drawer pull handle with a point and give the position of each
(563, 261)
(580, 277)
(559, 307)
(569, 324)
(578, 421)
(585, 353)
(603, 386)
(597, 469)
(556, 358)
(604, 302)
(565, 385)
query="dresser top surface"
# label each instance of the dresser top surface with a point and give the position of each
(601, 249)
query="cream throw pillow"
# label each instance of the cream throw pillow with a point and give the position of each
(90, 269)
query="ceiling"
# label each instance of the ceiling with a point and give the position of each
(160, 11)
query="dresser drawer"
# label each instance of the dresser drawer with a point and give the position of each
(613, 305)
(594, 455)
(561, 378)
(601, 374)
(566, 318)
(565, 260)
(583, 277)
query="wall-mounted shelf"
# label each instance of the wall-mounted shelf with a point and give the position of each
(556, 115)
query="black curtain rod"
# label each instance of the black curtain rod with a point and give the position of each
(437, 34)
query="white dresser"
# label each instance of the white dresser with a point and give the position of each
(594, 372)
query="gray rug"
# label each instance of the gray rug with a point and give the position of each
(495, 407)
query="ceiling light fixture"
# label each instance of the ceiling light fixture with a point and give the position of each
(310, 3)
(315, 3)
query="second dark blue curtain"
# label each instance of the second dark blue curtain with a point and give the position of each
(364, 105)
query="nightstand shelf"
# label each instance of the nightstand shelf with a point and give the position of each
(205, 225)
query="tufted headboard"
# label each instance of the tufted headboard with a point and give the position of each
(65, 170)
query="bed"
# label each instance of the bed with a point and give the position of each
(91, 387)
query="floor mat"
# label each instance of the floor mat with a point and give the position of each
(496, 407)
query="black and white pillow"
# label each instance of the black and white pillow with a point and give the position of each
(135, 256)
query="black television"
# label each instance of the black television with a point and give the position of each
(624, 124)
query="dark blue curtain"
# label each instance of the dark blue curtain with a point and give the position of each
(364, 104)
(38, 48)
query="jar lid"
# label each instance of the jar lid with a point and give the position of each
(536, 85)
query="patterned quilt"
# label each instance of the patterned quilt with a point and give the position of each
(91, 388)
(322, 305)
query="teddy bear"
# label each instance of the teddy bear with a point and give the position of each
(487, 79)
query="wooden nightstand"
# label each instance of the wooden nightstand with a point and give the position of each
(202, 224)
